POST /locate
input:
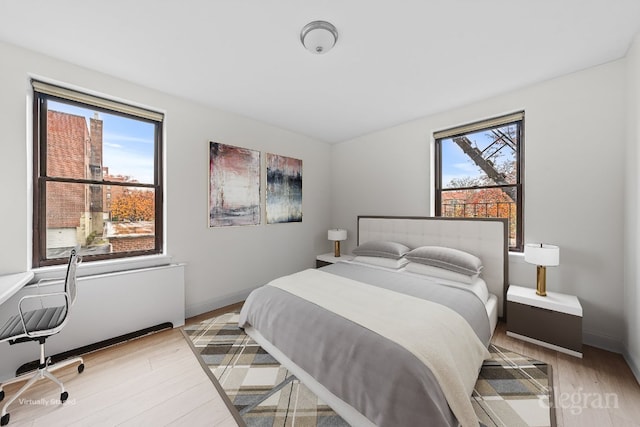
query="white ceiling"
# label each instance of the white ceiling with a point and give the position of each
(394, 61)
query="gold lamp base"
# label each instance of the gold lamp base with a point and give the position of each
(541, 283)
(336, 249)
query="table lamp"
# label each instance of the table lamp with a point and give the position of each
(337, 235)
(543, 256)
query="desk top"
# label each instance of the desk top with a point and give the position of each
(12, 283)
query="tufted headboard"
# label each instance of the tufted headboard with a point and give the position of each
(486, 238)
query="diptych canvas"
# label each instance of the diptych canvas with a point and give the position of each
(234, 186)
(284, 189)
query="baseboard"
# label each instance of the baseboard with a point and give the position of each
(604, 342)
(215, 303)
(635, 368)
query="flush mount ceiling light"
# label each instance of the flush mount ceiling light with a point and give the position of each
(319, 36)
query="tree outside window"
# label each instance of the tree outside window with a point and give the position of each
(478, 172)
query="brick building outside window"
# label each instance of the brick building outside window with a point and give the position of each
(98, 180)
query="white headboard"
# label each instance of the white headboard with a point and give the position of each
(486, 238)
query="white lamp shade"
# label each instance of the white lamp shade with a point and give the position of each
(337, 234)
(319, 36)
(541, 254)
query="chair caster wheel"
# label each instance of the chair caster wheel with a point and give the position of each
(4, 420)
(1, 394)
(64, 396)
(81, 368)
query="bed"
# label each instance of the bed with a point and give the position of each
(386, 345)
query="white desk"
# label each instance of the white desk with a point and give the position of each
(12, 283)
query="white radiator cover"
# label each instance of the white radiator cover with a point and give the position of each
(107, 306)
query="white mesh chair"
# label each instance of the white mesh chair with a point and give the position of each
(38, 325)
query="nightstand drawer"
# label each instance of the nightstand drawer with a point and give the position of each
(560, 329)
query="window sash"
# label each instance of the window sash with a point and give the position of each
(43, 92)
(517, 118)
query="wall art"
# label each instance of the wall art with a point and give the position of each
(234, 186)
(284, 189)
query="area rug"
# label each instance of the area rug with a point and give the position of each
(512, 390)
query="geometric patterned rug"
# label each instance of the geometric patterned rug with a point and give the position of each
(512, 390)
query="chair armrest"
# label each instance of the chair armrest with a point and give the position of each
(52, 279)
(40, 297)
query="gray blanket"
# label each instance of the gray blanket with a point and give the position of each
(378, 377)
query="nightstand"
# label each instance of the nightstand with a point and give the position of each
(328, 258)
(554, 321)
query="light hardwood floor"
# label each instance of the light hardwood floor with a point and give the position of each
(156, 380)
(151, 381)
(598, 390)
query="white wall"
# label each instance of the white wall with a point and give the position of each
(223, 264)
(632, 210)
(574, 155)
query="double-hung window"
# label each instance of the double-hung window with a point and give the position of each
(97, 177)
(479, 172)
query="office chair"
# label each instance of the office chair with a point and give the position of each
(38, 325)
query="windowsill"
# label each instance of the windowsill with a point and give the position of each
(102, 267)
(516, 256)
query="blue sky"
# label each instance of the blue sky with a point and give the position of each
(456, 164)
(127, 143)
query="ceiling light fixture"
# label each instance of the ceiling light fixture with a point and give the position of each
(319, 36)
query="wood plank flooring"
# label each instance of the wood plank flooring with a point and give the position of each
(151, 381)
(156, 380)
(598, 390)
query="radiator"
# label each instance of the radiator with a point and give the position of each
(108, 306)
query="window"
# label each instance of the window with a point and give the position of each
(97, 177)
(479, 172)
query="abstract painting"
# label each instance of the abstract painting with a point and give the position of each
(284, 189)
(234, 186)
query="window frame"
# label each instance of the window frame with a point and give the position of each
(517, 118)
(42, 93)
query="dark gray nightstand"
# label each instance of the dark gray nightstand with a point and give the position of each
(554, 321)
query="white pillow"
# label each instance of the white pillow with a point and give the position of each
(382, 262)
(442, 273)
(447, 258)
(381, 248)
